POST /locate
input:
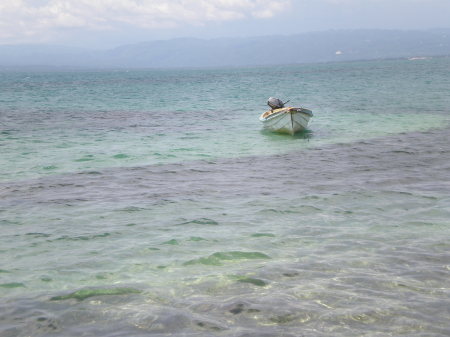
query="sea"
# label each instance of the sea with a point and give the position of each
(152, 202)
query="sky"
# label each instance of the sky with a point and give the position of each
(109, 23)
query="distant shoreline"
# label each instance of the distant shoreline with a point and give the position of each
(48, 68)
(192, 53)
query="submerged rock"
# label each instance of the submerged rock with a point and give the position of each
(86, 293)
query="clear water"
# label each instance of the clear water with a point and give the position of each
(151, 202)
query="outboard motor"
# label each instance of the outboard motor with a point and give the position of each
(275, 103)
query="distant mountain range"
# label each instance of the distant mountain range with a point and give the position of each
(328, 46)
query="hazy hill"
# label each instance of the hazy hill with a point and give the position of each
(188, 52)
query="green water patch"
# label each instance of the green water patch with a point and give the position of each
(197, 238)
(185, 149)
(82, 294)
(38, 235)
(88, 157)
(12, 285)
(260, 235)
(172, 242)
(83, 237)
(254, 281)
(104, 276)
(218, 258)
(131, 209)
(251, 280)
(50, 167)
(201, 221)
(283, 319)
(7, 132)
(93, 172)
(175, 242)
(121, 156)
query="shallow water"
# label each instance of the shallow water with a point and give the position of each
(119, 219)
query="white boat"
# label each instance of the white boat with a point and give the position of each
(286, 120)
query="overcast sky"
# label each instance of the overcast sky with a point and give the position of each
(108, 23)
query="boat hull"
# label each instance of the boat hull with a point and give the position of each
(286, 120)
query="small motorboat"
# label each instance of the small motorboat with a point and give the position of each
(285, 119)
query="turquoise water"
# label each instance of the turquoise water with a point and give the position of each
(151, 202)
(59, 122)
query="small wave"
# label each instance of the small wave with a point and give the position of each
(82, 237)
(200, 221)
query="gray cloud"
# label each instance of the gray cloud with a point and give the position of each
(28, 19)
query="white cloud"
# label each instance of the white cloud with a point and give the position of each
(22, 20)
